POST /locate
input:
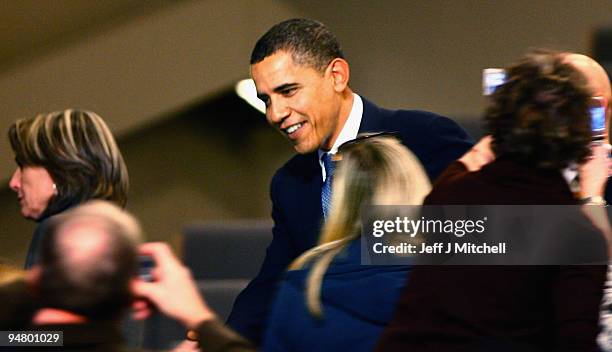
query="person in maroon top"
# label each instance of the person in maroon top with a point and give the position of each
(539, 124)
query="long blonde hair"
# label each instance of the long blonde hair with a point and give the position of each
(375, 171)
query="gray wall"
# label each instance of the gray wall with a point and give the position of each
(430, 54)
(411, 54)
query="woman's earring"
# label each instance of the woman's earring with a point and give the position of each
(54, 190)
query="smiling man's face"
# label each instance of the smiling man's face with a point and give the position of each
(300, 101)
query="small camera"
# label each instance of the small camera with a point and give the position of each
(491, 79)
(598, 117)
(145, 266)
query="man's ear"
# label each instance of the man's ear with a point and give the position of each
(340, 72)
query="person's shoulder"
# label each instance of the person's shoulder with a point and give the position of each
(419, 119)
(405, 120)
(413, 116)
(424, 127)
(456, 185)
(422, 116)
(299, 164)
(419, 115)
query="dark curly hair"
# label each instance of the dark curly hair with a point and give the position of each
(540, 116)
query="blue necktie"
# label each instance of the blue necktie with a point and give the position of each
(326, 192)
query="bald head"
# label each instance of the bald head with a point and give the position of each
(597, 80)
(88, 257)
(596, 76)
(85, 243)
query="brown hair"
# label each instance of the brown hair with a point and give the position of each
(78, 150)
(540, 116)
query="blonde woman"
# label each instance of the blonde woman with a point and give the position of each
(64, 158)
(328, 301)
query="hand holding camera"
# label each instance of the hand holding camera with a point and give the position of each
(171, 288)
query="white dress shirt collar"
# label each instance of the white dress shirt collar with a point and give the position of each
(349, 130)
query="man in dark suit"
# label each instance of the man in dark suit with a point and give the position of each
(302, 77)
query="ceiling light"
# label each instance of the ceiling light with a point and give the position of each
(247, 91)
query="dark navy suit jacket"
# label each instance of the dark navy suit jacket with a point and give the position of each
(296, 201)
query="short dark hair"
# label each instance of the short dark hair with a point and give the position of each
(540, 116)
(78, 150)
(98, 288)
(310, 43)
